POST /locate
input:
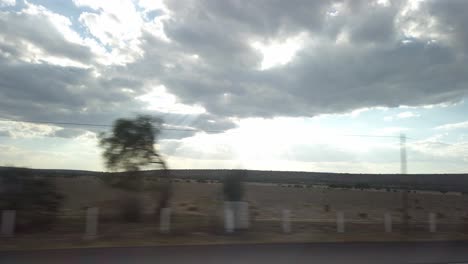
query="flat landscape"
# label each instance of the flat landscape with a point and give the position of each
(197, 214)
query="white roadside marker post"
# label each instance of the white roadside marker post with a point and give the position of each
(286, 221)
(8, 223)
(228, 220)
(92, 215)
(388, 222)
(432, 223)
(340, 221)
(165, 221)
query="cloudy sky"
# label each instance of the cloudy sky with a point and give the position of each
(265, 84)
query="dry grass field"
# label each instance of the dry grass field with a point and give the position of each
(268, 200)
(197, 215)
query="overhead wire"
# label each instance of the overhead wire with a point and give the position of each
(168, 128)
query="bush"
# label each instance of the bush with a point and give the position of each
(326, 208)
(362, 186)
(125, 181)
(131, 210)
(35, 200)
(233, 186)
(362, 215)
(192, 208)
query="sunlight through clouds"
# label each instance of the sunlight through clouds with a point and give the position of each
(278, 53)
(326, 86)
(160, 100)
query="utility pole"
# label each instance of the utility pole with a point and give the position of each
(403, 171)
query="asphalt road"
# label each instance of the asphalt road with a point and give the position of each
(322, 253)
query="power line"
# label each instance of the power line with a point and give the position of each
(375, 136)
(169, 128)
(100, 125)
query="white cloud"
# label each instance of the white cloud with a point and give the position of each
(437, 151)
(117, 25)
(7, 3)
(152, 5)
(453, 126)
(27, 130)
(56, 156)
(196, 63)
(159, 99)
(24, 130)
(402, 115)
(42, 36)
(390, 131)
(278, 53)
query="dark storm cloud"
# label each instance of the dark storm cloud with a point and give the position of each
(452, 16)
(355, 54)
(44, 92)
(378, 65)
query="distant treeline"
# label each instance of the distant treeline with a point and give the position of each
(436, 182)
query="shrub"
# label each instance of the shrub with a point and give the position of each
(233, 186)
(126, 181)
(326, 208)
(362, 215)
(35, 200)
(192, 208)
(131, 210)
(362, 186)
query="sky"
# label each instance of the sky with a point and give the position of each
(297, 85)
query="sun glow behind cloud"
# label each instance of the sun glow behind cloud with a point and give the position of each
(160, 100)
(278, 53)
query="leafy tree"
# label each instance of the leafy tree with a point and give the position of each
(130, 147)
(131, 144)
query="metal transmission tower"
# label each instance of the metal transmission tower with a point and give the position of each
(403, 170)
(403, 167)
